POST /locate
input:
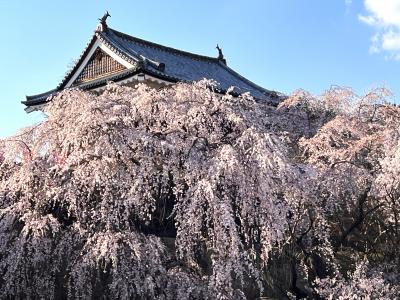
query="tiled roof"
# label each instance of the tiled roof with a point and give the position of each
(163, 62)
(181, 65)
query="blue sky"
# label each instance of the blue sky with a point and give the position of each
(282, 45)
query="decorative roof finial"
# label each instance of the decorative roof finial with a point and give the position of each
(220, 54)
(103, 22)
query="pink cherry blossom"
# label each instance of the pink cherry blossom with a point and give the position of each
(184, 193)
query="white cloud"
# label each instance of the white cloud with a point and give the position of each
(384, 17)
(391, 40)
(375, 40)
(369, 20)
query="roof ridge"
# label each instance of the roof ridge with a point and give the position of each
(70, 72)
(163, 47)
(245, 79)
(41, 95)
(119, 49)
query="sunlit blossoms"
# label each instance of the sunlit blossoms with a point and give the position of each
(184, 193)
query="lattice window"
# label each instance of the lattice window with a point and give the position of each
(99, 65)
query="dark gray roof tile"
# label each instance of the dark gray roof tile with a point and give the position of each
(185, 66)
(166, 63)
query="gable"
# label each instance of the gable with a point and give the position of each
(99, 65)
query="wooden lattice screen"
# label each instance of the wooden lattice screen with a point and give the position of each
(99, 65)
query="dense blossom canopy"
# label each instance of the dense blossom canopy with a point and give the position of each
(183, 193)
